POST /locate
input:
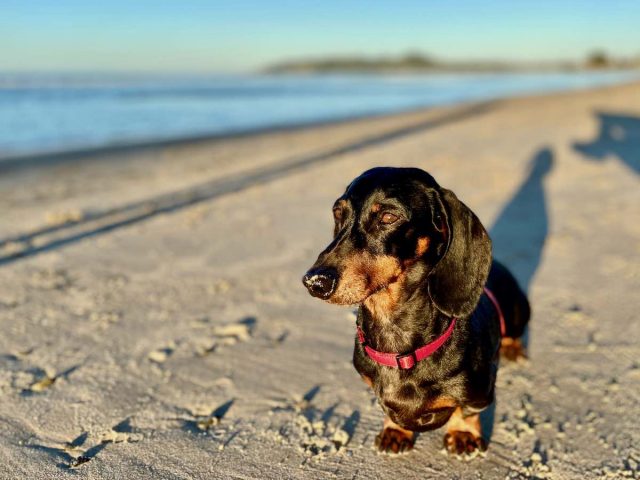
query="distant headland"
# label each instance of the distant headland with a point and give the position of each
(420, 63)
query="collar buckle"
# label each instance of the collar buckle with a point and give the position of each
(406, 361)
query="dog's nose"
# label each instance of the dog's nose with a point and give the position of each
(321, 282)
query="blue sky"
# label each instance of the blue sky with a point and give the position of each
(244, 35)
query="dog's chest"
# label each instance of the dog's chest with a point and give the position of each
(390, 387)
(412, 405)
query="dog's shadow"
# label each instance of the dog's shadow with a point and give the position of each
(518, 235)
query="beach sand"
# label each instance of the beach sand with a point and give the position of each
(154, 324)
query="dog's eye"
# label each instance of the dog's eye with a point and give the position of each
(388, 218)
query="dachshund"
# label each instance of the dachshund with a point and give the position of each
(435, 310)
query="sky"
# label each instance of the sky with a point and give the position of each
(247, 35)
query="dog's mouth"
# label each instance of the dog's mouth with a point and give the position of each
(380, 288)
(363, 278)
(338, 299)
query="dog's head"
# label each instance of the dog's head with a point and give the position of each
(392, 220)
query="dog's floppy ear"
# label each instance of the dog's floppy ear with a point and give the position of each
(457, 280)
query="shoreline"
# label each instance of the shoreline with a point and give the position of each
(52, 157)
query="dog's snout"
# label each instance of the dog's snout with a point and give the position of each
(321, 282)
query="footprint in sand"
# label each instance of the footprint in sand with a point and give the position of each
(46, 378)
(317, 432)
(228, 334)
(56, 218)
(105, 319)
(280, 338)
(160, 355)
(50, 279)
(11, 300)
(219, 287)
(73, 454)
(233, 333)
(204, 344)
(123, 432)
(201, 422)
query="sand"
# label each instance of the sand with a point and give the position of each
(154, 324)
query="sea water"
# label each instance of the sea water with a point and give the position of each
(58, 112)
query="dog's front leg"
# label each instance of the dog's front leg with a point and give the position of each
(464, 434)
(393, 438)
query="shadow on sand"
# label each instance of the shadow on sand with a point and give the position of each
(519, 234)
(619, 135)
(520, 230)
(99, 222)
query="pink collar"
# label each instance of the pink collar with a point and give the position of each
(408, 360)
(494, 300)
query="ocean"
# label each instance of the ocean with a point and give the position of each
(58, 112)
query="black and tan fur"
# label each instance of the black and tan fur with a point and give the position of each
(412, 256)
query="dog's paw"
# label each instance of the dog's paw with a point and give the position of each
(392, 440)
(463, 443)
(512, 349)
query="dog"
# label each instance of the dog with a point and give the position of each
(435, 310)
